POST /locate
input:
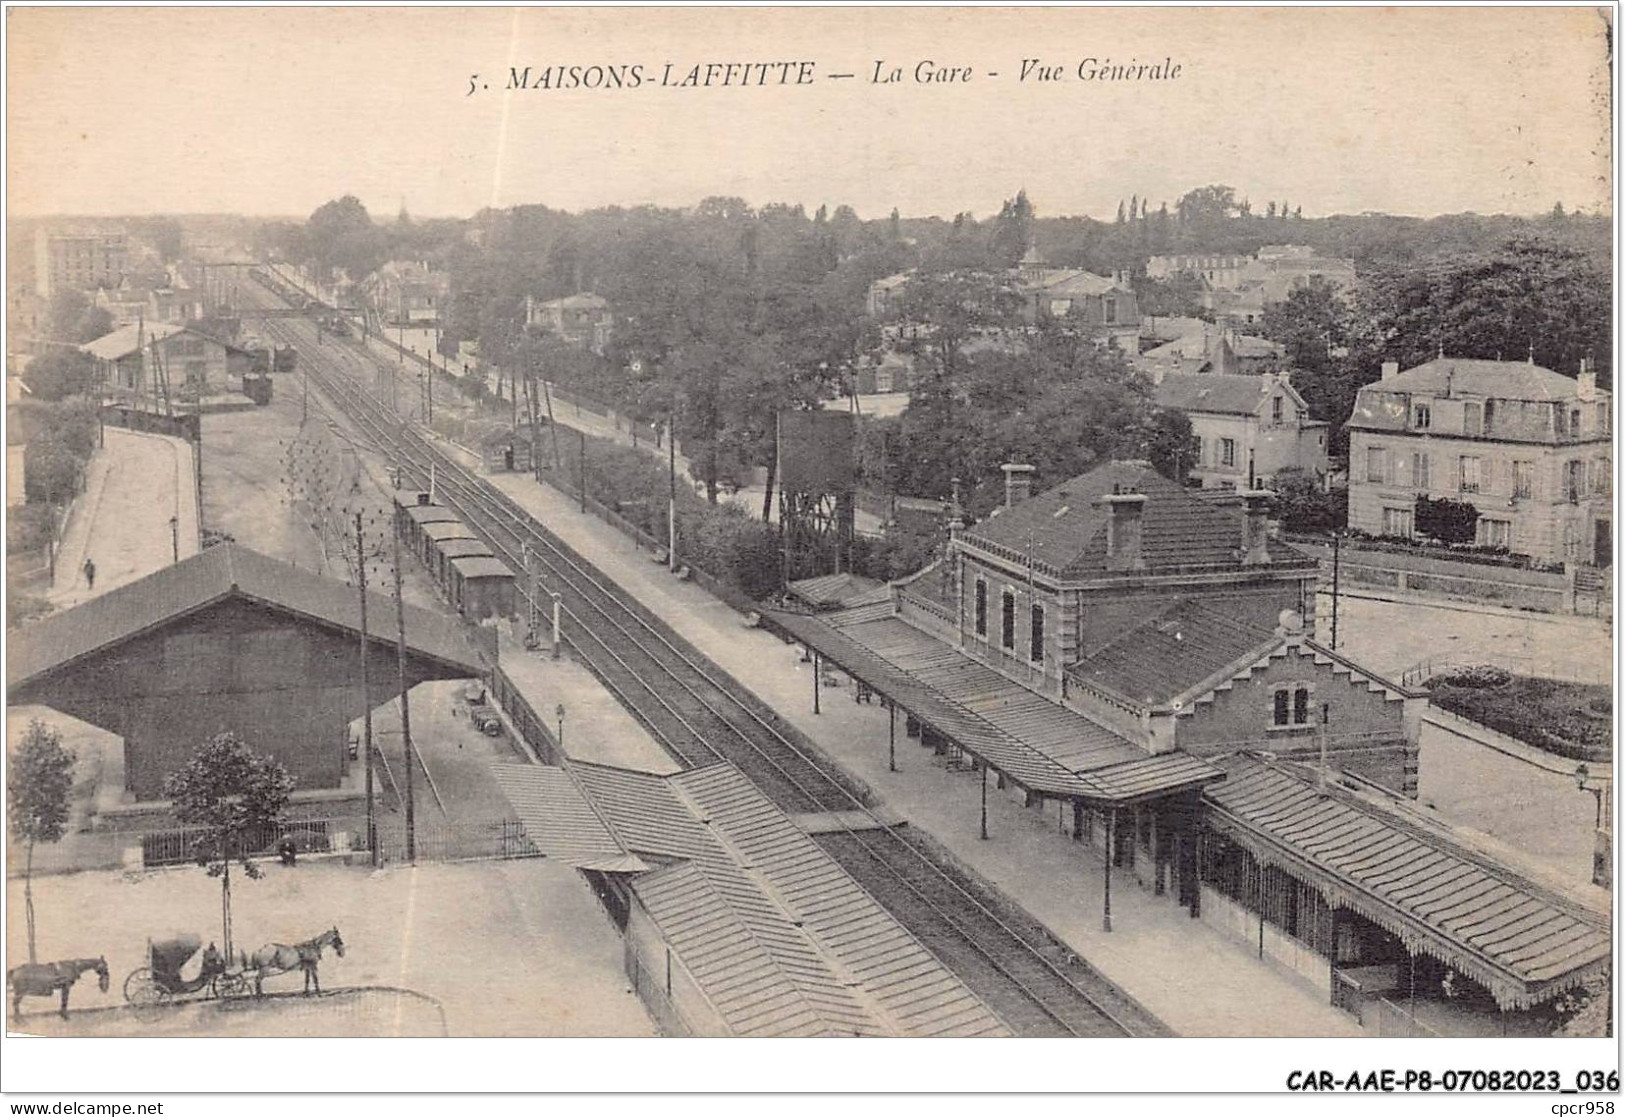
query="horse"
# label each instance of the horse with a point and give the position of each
(41, 979)
(276, 957)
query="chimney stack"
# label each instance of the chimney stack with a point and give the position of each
(1255, 534)
(1390, 369)
(1123, 531)
(1018, 483)
(1588, 380)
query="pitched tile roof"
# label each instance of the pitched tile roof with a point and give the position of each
(127, 339)
(1500, 379)
(1185, 644)
(1216, 392)
(1524, 941)
(556, 815)
(1062, 531)
(208, 578)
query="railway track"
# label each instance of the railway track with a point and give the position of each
(702, 715)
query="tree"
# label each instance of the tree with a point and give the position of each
(39, 780)
(1012, 231)
(342, 236)
(1301, 503)
(237, 796)
(1446, 520)
(60, 372)
(71, 317)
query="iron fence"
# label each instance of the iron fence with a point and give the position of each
(493, 839)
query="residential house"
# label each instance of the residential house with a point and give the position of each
(582, 320)
(1219, 271)
(1529, 448)
(1209, 348)
(1239, 288)
(408, 292)
(1247, 428)
(884, 293)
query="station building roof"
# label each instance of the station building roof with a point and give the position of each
(1040, 744)
(214, 575)
(1524, 941)
(1062, 531)
(779, 938)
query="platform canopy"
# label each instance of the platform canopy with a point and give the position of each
(1039, 744)
(1523, 940)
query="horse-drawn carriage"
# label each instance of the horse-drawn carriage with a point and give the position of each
(161, 980)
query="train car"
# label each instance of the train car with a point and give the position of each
(412, 512)
(284, 358)
(449, 549)
(434, 534)
(482, 587)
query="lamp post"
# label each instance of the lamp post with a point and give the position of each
(1598, 788)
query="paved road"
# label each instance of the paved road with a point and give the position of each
(137, 482)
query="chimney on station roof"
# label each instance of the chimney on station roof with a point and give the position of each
(1390, 369)
(1255, 527)
(1018, 483)
(1587, 390)
(1123, 531)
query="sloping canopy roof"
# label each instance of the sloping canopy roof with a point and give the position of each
(127, 339)
(1183, 645)
(1217, 392)
(1499, 379)
(1039, 744)
(833, 590)
(556, 815)
(1062, 531)
(1521, 940)
(782, 940)
(208, 578)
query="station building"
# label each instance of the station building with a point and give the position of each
(1147, 655)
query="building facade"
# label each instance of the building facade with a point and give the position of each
(1247, 428)
(583, 320)
(1529, 448)
(136, 359)
(78, 261)
(409, 292)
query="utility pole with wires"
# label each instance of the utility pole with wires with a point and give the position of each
(366, 691)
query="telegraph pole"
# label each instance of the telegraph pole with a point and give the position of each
(366, 694)
(406, 705)
(1337, 555)
(671, 502)
(581, 469)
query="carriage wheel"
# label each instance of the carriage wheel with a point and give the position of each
(232, 985)
(143, 992)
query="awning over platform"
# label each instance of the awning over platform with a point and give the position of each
(1523, 941)
(1040, 744)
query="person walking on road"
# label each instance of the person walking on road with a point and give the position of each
(90, 574)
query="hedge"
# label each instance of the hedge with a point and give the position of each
(1550, 715)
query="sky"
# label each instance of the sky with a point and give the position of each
(272, 112)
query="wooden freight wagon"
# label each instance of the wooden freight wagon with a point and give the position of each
(449, 549)
(434, 534)
(411, 517)
(483, 587)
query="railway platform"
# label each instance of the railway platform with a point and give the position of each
(1197, 981)
(597, 728)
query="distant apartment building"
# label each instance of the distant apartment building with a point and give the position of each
(583, 320)
(1239, 288)
(78, 261)
(1529, 448)
(1247, 428)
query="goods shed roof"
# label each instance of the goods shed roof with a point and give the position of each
(208, 578)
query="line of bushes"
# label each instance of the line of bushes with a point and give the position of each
(1572, 720)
